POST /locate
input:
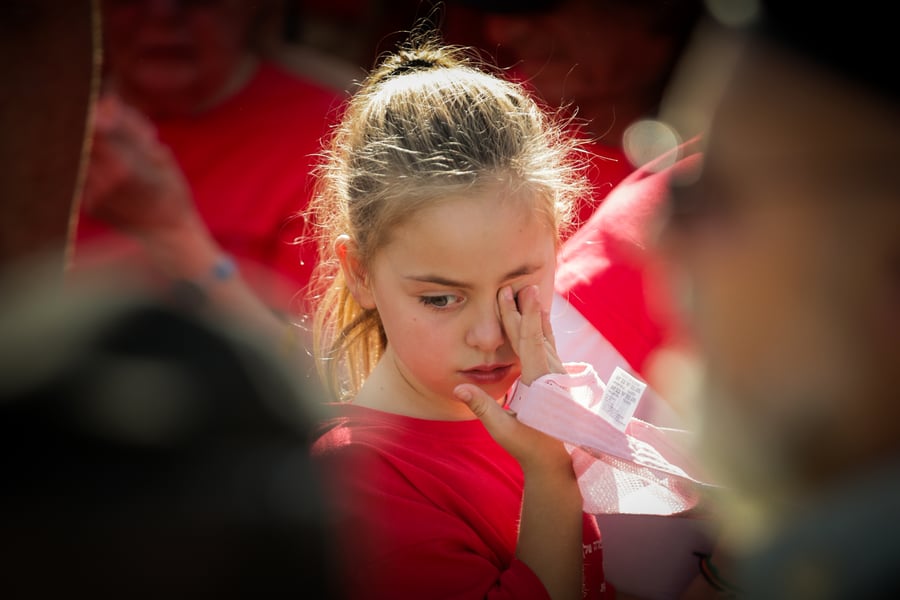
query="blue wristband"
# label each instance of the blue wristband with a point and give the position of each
(224, 268)
(192, 293)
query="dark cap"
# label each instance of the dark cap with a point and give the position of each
(856, 40)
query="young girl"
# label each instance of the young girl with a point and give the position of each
(441, 203)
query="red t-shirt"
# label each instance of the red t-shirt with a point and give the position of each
(609, 164)
(608, 167)
(247, 162)
(430, 509)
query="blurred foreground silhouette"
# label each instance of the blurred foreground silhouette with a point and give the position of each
(148, 452)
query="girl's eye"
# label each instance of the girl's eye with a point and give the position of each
(442, 301)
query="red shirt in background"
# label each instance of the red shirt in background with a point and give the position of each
(607, 271)
(248, 163)
(608, 167)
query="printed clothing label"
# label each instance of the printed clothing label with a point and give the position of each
(620, 398)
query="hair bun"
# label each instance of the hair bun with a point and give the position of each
(417, 63)
(408, 64)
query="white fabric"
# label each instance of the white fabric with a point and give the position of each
(577, 340)
(651, 556)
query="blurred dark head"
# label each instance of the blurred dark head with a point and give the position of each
(148, 454)
(785, 249)
(850, 39)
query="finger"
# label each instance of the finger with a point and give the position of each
(113, 114)
(530, 308)
(532, 343)
(106, 113)
(499, 422)
(509, 315)
(137, 125)
(547, 328)
(526, 444)
(104, 173)
(554, 362)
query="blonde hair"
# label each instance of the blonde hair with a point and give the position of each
(428, 122)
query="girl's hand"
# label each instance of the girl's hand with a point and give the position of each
(550, 526)
(528, 329)
(527, 326)
(533, 449)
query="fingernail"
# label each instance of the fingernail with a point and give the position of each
(507, 293)
(463, 394)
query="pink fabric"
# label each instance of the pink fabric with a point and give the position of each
(641, 470)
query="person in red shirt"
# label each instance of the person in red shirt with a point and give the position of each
(241, 130)
(441, 205)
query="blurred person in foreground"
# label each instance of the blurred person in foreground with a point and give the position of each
(150, 453)
(147, 452)
(193, 113)
(785, 256)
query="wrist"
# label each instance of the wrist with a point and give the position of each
(181, 249)
(194, 292)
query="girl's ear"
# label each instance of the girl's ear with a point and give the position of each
(354, 272)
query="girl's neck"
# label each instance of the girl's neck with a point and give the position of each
(387, 390)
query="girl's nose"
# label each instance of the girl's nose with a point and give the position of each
(485, 332)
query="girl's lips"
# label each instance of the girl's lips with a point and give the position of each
(486, 375)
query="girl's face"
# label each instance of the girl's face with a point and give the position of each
(435, 285)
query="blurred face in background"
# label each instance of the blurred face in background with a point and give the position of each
(175, 55)
(593, 52)
(786, 255)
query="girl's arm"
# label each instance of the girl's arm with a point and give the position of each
(550, 530)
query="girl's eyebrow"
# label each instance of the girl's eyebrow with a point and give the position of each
(444, 281)
(437, 279)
